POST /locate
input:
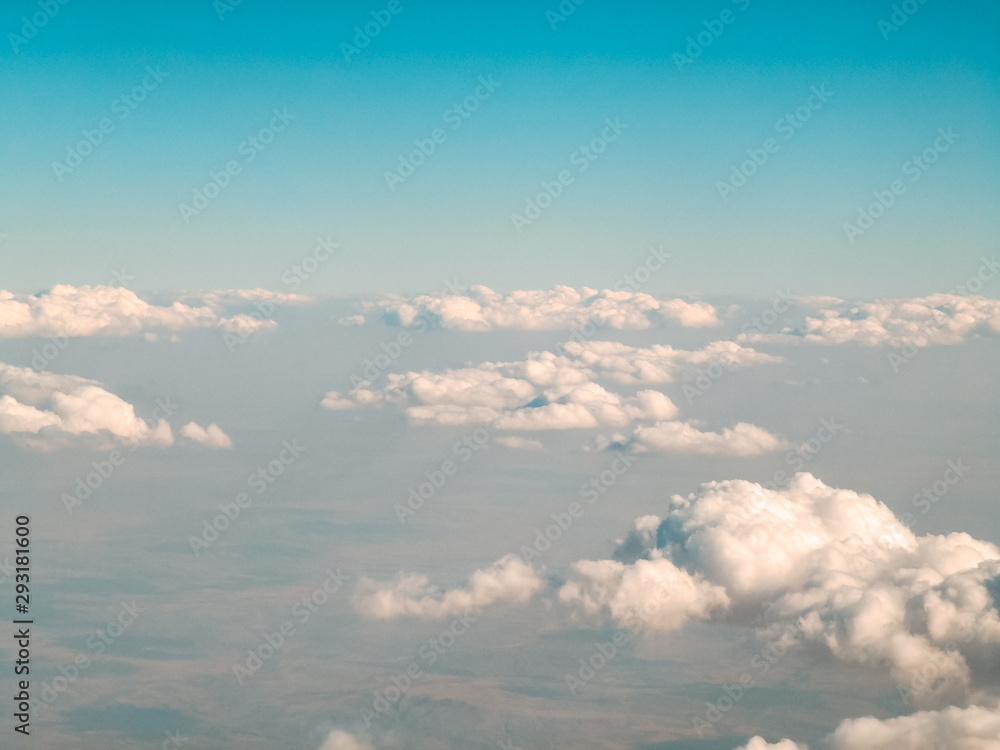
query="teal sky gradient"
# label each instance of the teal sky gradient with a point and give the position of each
(657, 184)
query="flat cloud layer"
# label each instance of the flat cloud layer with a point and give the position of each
(115, 311)
(938, 319)
(549, 391)
(340, 740)
(508, 579)
(835, 567)
(561, 307)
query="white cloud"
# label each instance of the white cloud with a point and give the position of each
(833, 566)
(952, 728)
(520, 443)
(561, 307)
(549, 391)
(742, 439)
(758, 743)
(938, 319)
(115, 311)
(340, 740)
(972, 728)
(50, 405)
(211, 436)
(508, 579)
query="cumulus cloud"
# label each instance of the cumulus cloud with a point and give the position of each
(938, 319)
(562, 307)
(550, 391)
(508, 579)
(211, 436)
(758, 743)
(971, 728)
(51, 405)
(833, 566)
(115, 311)
(743, 439)
(340, 740)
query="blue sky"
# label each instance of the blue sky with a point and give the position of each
(777, 256)
(656, 184)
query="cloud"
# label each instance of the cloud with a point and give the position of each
(742, 439)
(340, 740)
(561, 307)
(50, 405)
(938, 319)
(758, 743)
(211, 436)
(833, 567)
(971, 728)
(550, 391)
(508, 579)
(68, 311)
(520, 443)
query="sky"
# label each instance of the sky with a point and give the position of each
(356, 114)
(522, 375)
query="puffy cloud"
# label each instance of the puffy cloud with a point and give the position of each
(340, 740)
(743, 439)
(211, 436)
(72, 406)
(832, 566)
(972, 728)
(561, 307)
(549, 391)
(938, 319)
(520, 443)
(115, 311)
(758, 743)
(508, 579)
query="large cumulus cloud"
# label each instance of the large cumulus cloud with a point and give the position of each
(834, 565)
